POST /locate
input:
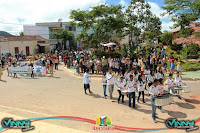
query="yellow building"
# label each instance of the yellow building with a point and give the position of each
(27, 45)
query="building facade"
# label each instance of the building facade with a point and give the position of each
(26, 45)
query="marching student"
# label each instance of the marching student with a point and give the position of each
(136, 75)
(126, 74)
(131, 90)
(121, 85)
(86, 81)
(119, 76)
(110, 81)
(141, 86)
(161, 91)
(159, 74)
(151, 78)
(178, 80)
(131, 73)
(153, 91)
(146, 73)
(104, 82)
(170, 84)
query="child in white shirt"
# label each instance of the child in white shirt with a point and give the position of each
(141, 86)
(121, 85)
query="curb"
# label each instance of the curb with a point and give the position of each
(81, 74)
(100, 76)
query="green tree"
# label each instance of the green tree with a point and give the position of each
(141, 21)
(183, 13)
(167, 38)
(99, 24)
(21, 33)
(64, 35)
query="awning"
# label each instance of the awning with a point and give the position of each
(44, 44)
(109, 44)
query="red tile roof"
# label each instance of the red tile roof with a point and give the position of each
(23, 38)
(192, 38)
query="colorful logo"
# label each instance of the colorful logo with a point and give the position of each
(103, 123)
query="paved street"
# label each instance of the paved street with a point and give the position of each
(63, 95)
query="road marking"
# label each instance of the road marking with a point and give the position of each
(24, 110)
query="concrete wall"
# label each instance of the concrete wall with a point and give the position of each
(36, 31)
(10, 46)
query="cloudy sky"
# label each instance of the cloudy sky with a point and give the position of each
(14, 13)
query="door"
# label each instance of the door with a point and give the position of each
(27, 51)
(16, 50)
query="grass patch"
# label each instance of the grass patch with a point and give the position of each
(190, 65)
(187, 66)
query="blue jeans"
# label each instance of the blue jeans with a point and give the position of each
(110, 88)
(153, 108)
(104, 90)
(131, 96)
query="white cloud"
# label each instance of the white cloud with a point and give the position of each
(122, 2)
(166, 26)
(32, 11)
(157, 10)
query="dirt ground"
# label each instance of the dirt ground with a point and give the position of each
(63, 95)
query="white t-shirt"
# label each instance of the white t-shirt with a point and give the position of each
(126, 75)
(141, 88)
(119, 76)
(117, 65)
(131, 87)
(152, 91)
(178, 80)
(159, 75)
(136, 76)
(169, 81)
(146, 72)
(161, 91)
(120, 85)
(110, 79)
(86, 79)
(151, 78)
(104, 81)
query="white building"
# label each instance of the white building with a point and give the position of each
(44, 30)
(36, 31)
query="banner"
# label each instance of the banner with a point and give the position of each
(19, 69)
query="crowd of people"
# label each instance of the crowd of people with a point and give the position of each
(134, 75)
(131, 75)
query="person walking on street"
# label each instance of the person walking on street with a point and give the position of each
(110, 82)
(86, 81)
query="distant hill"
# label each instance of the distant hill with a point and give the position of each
(6, 34)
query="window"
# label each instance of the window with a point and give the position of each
(16, 50)
(70, 28)
(27, 51)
